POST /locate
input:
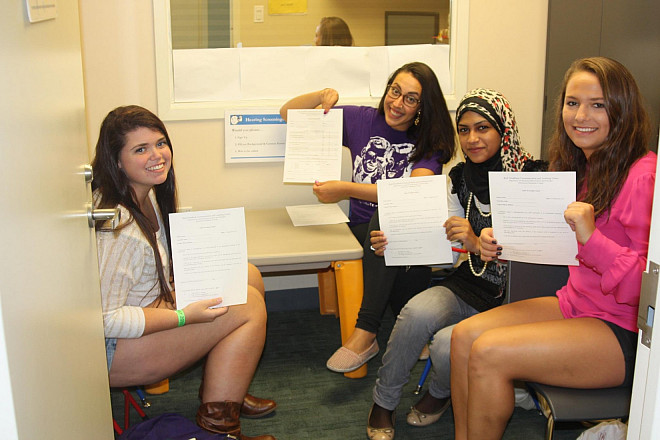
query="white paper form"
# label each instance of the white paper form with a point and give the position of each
(412, 211)
(209, 253)
(319, 214)
(313, 146)
(528, 216)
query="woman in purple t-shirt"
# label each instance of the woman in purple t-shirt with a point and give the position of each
(410, 134)
(586, 336)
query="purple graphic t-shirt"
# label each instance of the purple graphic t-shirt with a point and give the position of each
(378, 152)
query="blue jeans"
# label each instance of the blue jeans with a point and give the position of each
(432, 313)
(110, 347)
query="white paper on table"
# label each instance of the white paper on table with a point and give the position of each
(412, 211)
(528, 216)
(209, 253)
(319, 214)
(313, 146)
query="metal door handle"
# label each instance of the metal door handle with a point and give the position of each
(88, 172)
(94, 215)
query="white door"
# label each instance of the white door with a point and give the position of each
(644, 422)
(53, 378)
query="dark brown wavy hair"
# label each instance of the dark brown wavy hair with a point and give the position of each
(435, 131)
(114, 187)
(627, 140)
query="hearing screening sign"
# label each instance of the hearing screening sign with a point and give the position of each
(254, 136)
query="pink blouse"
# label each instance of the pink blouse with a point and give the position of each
(607, 282)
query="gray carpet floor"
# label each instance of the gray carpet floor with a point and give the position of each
(315, 403)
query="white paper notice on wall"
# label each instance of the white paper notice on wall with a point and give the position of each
(256, 73)
(255, 135)
(40, 10)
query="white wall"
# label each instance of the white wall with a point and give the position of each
(506, 52)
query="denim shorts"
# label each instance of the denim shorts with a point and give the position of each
(628, 342)
(110, 347)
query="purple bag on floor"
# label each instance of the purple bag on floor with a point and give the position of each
(169, 426)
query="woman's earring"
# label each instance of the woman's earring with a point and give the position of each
(419, 113)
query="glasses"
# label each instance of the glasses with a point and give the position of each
(408, 99)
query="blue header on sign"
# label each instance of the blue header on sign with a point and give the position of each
(255, 119)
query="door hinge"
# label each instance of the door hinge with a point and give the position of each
(647, 295)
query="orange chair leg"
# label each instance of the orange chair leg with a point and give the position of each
(158, 388)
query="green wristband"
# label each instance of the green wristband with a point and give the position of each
(182, 318)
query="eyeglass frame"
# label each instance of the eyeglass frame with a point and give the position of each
(392, 87)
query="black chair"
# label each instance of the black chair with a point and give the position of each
(559, 404)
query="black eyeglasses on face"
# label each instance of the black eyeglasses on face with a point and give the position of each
(408, 99)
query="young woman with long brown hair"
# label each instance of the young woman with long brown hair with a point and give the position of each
(585, 336)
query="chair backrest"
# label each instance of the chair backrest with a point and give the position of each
(528, 280)
(346, 175)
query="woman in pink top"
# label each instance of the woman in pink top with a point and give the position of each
(586, 336)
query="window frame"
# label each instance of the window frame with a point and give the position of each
(170, 110)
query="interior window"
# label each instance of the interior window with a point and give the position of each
(182, 27)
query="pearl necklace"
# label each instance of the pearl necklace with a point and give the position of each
(467, 215)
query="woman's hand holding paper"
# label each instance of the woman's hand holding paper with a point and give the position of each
(580, 217)
(378, 242)
(329, 98)
(331, 191)
(490, 250)
(459, 229)
(201, 311)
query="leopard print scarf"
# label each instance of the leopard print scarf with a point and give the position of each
(512, 156)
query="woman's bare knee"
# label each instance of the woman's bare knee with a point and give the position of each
(255, 279)
(466, 332)
(461, 341)
(486, 356)
(255, 307)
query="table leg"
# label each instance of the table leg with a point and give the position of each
(348, 275)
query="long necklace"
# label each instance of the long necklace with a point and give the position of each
(467, 215)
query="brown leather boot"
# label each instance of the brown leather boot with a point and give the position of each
(223, 418)
(256, 407)
(253, 407)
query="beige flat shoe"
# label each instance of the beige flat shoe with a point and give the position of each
(345, 360)
(418, 418)
(380, 433)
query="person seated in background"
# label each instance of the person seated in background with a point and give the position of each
(488, 135)
(410, 134)
(147, 338)
(586, 335)
(333, 31)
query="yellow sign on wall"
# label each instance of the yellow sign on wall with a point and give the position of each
(287, 6)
